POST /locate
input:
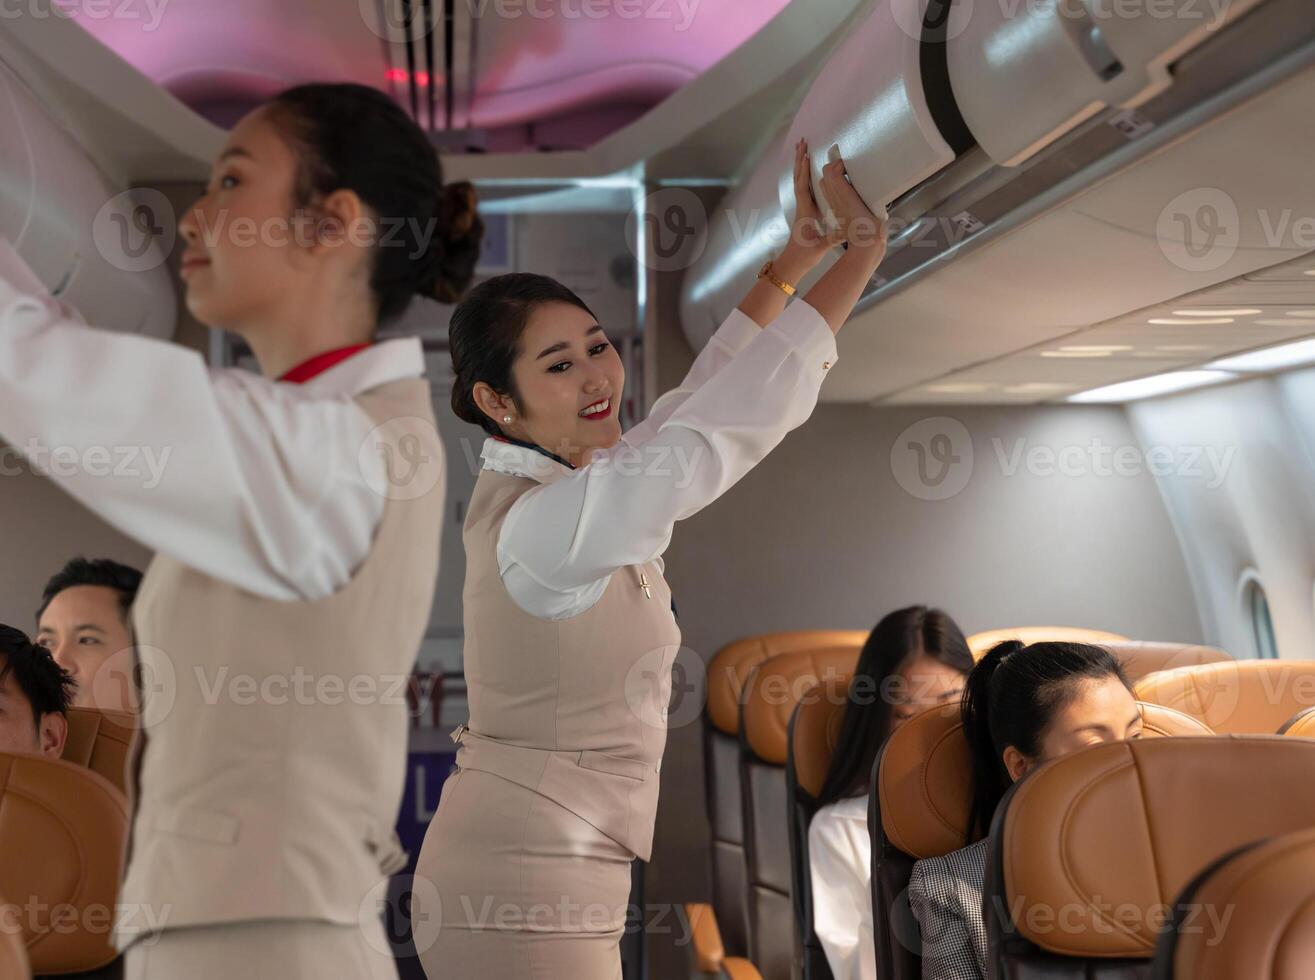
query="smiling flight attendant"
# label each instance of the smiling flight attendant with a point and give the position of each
(291, 559)
(570, 636)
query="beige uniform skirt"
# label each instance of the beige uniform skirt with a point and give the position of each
(522, 888)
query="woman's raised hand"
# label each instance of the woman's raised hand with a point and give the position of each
(855, 222)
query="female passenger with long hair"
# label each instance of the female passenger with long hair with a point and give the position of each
(1023, 706)
(295, 555)
(913, 659)
(569, 631)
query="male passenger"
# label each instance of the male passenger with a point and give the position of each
(83, 622)
(34, 697)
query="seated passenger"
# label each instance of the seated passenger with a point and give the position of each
(34, 697)
(915, 658)
(1024, 705)
(83, 621)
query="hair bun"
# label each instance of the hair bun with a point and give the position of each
(455, 250)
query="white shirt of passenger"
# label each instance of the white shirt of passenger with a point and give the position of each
(840, 868)
(561, 541)
(258, 483)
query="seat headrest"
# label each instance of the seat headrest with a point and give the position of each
(730, 667)
(814, 736)
(980, 643)
(1096, 846)
(1140, 658)
(1268, 892)
(784, 681)
(1301, 725)
(1240, 697)
(99, 740)
(62, 830)
(924, 778)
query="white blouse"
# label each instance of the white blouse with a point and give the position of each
(561, 541)
(259, 483)
(840, 867)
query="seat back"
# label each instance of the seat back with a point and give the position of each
(13, 958)
(1142, 658)
(921, 807)
(814, 730)
(1300, 725)
(99, 741)
(728, 673)
(980, 643)
(1089, 852)
(774, 690)
(1240, 697)
(62, 831)
(1251, 914)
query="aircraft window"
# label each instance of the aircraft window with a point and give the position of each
(1262, 624)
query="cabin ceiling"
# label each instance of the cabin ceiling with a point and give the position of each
(495, 75)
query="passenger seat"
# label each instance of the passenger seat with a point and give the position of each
(99, 740)
(62, 831)
(1240, 697)
(1088, 852)
(920, 808)
(1267, 890)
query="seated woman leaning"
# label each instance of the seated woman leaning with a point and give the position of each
(914, 659)
(1024, 705)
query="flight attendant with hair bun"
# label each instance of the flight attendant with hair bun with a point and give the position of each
(569, 630)
(290, 559)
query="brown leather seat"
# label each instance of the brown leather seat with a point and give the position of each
(99, 741)
(921, 809)
(13, 958)
(1267, 890)
(1141, 658)
(980, 643)
(1240, 697)
(773, 692)
(1089, 852)
(728, 674)
(62, 830)
(814, 730)
(1300, 725)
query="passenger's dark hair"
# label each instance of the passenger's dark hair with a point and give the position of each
(47, 686)
(897, 639)
(1011, 696)
(485, 332)
(123, 579)
(354, 137)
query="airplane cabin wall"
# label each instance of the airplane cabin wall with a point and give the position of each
(1258, 523)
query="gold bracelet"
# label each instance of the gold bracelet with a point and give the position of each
(766, 273)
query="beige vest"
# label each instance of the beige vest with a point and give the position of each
(270, 766)
(572, 709)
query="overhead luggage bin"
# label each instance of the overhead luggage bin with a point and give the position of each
(868, 105)
(1025, 73)
(97, 247)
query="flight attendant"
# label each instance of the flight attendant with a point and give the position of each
(569, 631)
(295, 520)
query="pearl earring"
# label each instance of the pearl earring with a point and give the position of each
(507, 419)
